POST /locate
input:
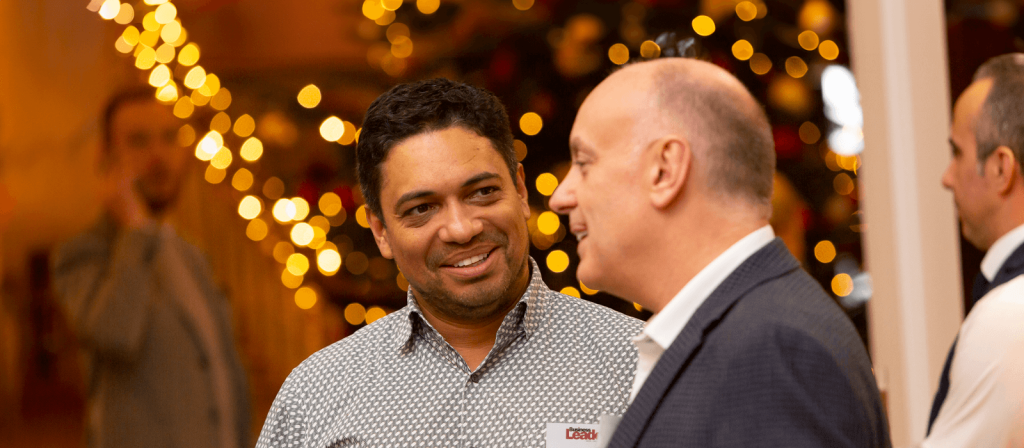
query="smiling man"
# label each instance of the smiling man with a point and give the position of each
(484, 354)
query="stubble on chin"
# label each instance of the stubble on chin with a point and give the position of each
(477, 303)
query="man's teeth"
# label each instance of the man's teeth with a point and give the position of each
(471, 260)
(580, 235)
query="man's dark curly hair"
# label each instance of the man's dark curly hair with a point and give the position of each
(423, 106)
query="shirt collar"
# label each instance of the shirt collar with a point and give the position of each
(664, 327)
(527, 315)
(1000, 251)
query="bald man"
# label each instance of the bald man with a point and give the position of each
(669, 197)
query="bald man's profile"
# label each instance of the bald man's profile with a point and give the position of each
(669, 198)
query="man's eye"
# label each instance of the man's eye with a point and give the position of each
(418, 210)
(486, 190)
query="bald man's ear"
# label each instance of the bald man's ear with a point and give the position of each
(672, 158)
(1003, 169)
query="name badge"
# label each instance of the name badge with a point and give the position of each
(572, 435)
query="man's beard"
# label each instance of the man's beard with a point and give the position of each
(479, 303)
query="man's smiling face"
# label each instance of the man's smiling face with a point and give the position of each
(455, 222)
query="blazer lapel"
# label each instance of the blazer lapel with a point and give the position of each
(771, 261)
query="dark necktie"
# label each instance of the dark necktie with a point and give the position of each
(980, 288)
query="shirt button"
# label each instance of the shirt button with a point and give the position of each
(475, 377)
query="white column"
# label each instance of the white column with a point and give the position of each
(911, 243)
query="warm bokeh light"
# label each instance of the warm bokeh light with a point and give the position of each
(809, 133)
(374, 313)
(402, 283)
(329, 260)
(796, 67)
(746, 11)
(244, 126)
(546, 184)
(842, 285)
(168, 93)
(570, 291)
(391, 5)
(372, 9)
(221, 123)
(302, 234)
(848, 163)
(332, 129)
(760, 64)
(828, 50)
(199, 99)
(531, 123)
(330, 204)
(520, 148)
(250, 207)
(125, 14)
(397, 30)
(149, 22)
(428, 6)
(558, 261)
(548, 223)
(297, 264)
(160, 76)
(587, 290)
(195, 77)
(808, 40)
(843, 184)
(703, 25)
(251, 150)
(166, 13)
(361, 217)
(149, 38)
(301, 209)
(189, 55)
(222, 100)
(165, 54)
(211, 86)
(242, 180)
(320, 222)
(284, 210)
(305, 297)
(186, 136)
(309, 97)
(401, 47)
(256, 230)
(319, 238)
(637, 306)
(283, 250)
(131, 35)
(618, 54)
(222, 160)
(357, 263)
(171, 32)
(649, 49)
(355, 313)
(291, 281)
(215, 175)
(386, 18)
(522, 5)
(349, 135)
(146, 59)
(273, 188)
(110, 9)
(742, 50)
(825, 251)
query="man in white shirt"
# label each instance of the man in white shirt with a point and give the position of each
(669, 198)
(980, 400)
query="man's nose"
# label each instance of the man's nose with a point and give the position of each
(563, 200)
(461, 226)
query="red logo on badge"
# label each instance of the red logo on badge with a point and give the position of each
(589, 435)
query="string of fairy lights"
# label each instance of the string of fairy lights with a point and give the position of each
(155, 37)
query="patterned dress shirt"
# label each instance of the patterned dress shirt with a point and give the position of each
(397, 383)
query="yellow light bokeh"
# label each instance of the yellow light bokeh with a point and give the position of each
(171, 32)
(301, 209)
(305, 297)
(222, 160)
(558, 261)
(251, 150)
(842, 285)
(546, 184)
(746, 11)
(297, 264)
(587, 290)
(402, 47)
(284, 210)
(330, 204)
(329, 260)
(110, 9)
(149, 22)
(131, 35)
(189, 55)
(349, 135)
(199, 99)
(244, 126)
(637, 306)
(828, 50)
(355, 313)
(796, 67)
(650, 49)
(222, 100)
(211, 142)
(195, 77)
(809, 133)
(825, 251)
(397, 30)
(357, 263)
(332, 129)
(155, 2)
(401, 281)
(215, 175)
(160, 76)
(386, 18)
(250, 207)
(168, 93)
(391, 5)
(319, 239)
(531, 123)
(760, 64)
(570, 291)
(428, 6)
(618, 54)
(361, 217)
(242, 180)
(548, 223)
(520, 148)
(742, 50)
(372, 9)
(186, 136)
(221, 123)
(282, 250)
(703, 25)
(843, 184)
(522, 5)
(183, 109)
(374, 313)
(290, 281)
(808, 40)
(146, 59)
(165, 13)
(182, 38)
(149, 38)
(256, 230)
(165, 53)
(122, 46)
(125, 14)
(309, 97)
(848, 163)
(320, 222)
(302, 234)
(210, 86)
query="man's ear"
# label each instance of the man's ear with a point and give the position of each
(521, 190)
(1003, 168)
(670, 159)
(380, 234)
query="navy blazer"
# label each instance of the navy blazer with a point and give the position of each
(768, 360)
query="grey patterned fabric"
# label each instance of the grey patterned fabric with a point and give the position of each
(397, 383)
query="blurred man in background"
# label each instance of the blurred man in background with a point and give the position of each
(980, 400)
(162, 368)
(669, 197)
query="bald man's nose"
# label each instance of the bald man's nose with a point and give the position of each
(563, 200)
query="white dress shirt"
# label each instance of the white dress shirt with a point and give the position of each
(985, 404)
(663, 328)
